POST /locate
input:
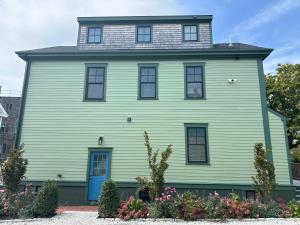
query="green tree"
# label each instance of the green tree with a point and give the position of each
(157, 169)
(13, 170)
(283, 95)
(109, 200)
(264, 180)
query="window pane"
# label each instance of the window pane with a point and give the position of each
(99, 79)
(192, 140)
(190, 70)
(187, 37)
(92, 71)
(147, 90)
(192, 132)
(95, 91)
(147, 30)
(190, 78)
(151, 78)
(97, 31)
(92, 79)
(91, 39)
(187, 29)
(198, 70)
(100, 71)
(193, 37)
(194, 90)
(146, 38)
(91, 31)
(144, 78)
(97, 39)
(200, 132)
(200, 140)
(151, 71)
(193, 29)
(197, 153)
(140, 38)
(198, 78)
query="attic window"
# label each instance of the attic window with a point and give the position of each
(143, 34)
(190, 32)
(94, 35)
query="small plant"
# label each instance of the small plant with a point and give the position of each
(166, 205)
(46, 201)
(109, 200)
(191, 207)
(294, 206)
(13, 170)
(264, 181)
(157, 170)
(216, 207)
(132, 209)
(234, 197)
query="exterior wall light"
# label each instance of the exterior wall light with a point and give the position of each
(129, 119)
(100, 140)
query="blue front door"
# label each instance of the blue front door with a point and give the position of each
(98, 173)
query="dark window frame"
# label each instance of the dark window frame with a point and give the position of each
(137, 34)
(87, 67)
(204, 126)
(186, 82)
(147, 65)
(88, 31)
(197, 32)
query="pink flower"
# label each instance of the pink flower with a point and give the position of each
(2, 191)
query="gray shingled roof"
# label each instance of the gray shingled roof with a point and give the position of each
(74, 49)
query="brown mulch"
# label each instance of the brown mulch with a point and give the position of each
(76, 208)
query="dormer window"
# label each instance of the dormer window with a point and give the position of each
(94, 35)
(190, 32)
(143, 34)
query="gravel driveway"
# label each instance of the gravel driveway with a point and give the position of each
(77, 218)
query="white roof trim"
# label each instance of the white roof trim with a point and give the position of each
(3, 113)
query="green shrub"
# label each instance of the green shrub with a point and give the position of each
(157, 170)
(191, 207)
(46, 201)
(295, 154)
(264, 180)
(294, 206)
(15, 205)
(258, 210)
(215, 207)
(109, 200)
(13, 170)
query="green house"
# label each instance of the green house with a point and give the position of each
(85, 108)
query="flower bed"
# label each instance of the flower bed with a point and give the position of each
(189, 207)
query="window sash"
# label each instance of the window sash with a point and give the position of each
(94, 35)
(190, 33)
(200, 145)
(143, 34)
(148, 81)
(98, 76)
(196, 81)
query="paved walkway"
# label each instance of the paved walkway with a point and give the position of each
(83, 218)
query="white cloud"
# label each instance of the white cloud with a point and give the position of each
(244, 30)
(35, 24)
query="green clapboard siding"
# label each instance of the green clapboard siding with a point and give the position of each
(279, 149)
(59, 126)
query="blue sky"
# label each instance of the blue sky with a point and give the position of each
(34, 24)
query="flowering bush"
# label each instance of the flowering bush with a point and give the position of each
(17, 204)
(165, 206)
(191, 207)
(132, 209)
(187, 206)
(294, 207)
